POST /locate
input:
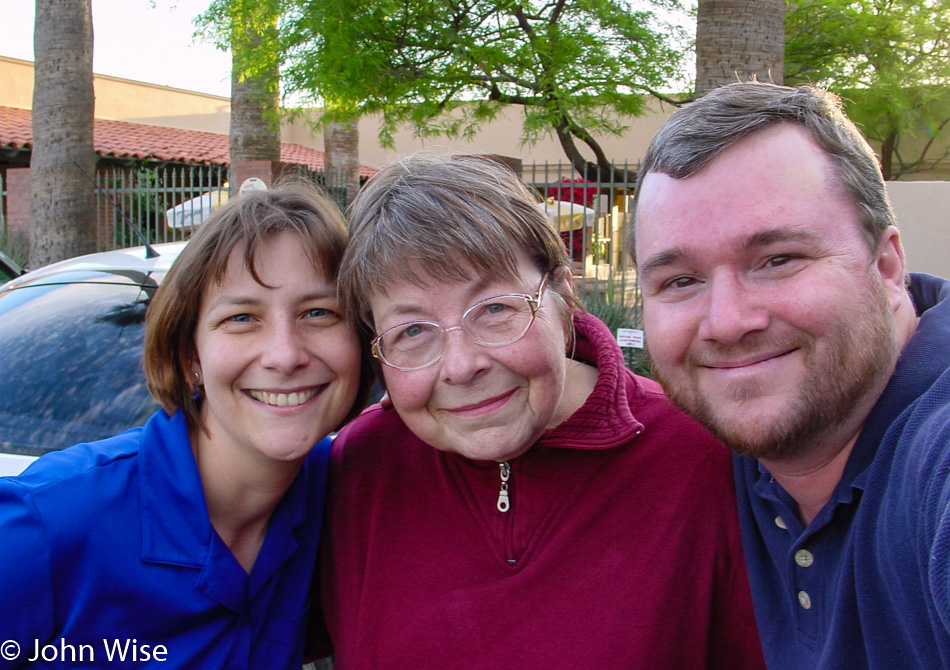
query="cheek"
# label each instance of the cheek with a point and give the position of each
(408, 391)
(668, 333)
(343, 356)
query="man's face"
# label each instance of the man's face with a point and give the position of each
(767, 316)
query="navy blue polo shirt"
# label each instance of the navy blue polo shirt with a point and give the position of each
(854, 589)
(108, 553)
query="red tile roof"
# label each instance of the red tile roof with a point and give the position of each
(121, 139)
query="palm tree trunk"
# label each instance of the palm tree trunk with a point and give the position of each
(341, 141)
(254, 134)
(63, 207)
(737, 40)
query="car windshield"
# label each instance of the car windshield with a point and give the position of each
(71, 360)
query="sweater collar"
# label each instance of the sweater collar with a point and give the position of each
(606, 419)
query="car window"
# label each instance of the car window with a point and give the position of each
(70, 364)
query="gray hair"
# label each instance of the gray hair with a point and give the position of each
(437, 215)
(696, 134)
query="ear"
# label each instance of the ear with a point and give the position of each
(890, 266)
(563, 274)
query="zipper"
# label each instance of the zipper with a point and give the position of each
(504, 504)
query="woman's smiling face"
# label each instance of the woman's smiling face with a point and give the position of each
(278, 364)
(484, 403)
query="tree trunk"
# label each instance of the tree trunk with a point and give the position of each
(63, 207)
(255, 123)
(887, 155)
(737, 40)
(341, 159)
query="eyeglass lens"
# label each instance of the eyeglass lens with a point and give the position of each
(495, 321)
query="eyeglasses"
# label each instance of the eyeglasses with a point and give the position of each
(493, 322)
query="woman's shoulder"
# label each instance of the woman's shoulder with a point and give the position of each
(82, 460)
(378, 435)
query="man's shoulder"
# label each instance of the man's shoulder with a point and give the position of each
(912, 464)
(926, 423)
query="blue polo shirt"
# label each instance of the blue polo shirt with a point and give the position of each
(863, 585)
(109, 560)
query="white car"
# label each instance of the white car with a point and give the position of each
(71, 349)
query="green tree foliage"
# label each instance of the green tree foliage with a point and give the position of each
(445, 67)
(890, 61)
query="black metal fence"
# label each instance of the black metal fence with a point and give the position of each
(166, 203)
(592, 219)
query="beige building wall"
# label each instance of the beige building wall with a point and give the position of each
(139, 102)
(124, 100)
(923, 216)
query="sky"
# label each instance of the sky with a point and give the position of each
(143, 40)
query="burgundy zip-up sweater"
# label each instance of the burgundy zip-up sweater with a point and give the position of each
(620, 547)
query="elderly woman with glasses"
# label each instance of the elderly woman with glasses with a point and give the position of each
(526, 501)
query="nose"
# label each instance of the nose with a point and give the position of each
(284, 349)
(463, 360)
(733, 310)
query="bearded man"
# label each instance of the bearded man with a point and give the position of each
(778, 312)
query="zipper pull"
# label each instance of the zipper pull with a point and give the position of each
(503, 504)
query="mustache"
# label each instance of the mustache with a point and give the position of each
(750, 346)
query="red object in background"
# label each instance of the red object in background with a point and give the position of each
(574, 241)
(576, 194)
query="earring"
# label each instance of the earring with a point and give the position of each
(197, 378)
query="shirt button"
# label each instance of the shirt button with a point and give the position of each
(780, 522)
(804, 600)
(804, 558)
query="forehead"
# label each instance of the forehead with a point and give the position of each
(777, 179)
(426, 294)
(281, 256)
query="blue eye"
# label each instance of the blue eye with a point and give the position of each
(318, 312)
(411, 331)
(240, 318)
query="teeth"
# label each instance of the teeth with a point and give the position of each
(283, 399)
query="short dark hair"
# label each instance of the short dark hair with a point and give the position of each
(247, 219)
(699, 132)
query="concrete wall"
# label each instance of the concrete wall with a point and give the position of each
(923, 216)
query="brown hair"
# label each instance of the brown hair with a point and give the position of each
(699, 132)
(247, 219)
(424, 214)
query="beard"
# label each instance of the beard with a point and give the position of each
(858, 360)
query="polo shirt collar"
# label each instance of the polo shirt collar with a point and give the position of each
(176, 528)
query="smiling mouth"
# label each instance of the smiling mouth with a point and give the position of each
(748, 362)
(484, 406)
(285, 399)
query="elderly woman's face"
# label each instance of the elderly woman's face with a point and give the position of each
(485, 403)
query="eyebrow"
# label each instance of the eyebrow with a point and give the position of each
(406, 309)
(239, 300)
(662, 259)
(762, 238)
